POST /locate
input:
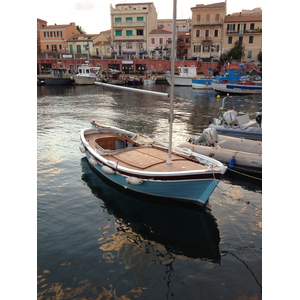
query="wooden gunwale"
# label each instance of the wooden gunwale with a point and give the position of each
(148, 159)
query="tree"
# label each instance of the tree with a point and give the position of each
(237, 52)
(80, 29)
(259, 56)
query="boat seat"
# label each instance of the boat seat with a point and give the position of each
(245, 121)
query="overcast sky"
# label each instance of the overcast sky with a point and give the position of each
(94, 15)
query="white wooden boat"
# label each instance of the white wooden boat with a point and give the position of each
(147, 166)
(140, 164)
(86, 75)
(238, 153)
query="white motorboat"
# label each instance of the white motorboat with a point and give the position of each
(86, 74)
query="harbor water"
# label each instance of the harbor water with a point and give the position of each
(97, 241)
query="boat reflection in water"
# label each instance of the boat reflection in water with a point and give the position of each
(151, 222)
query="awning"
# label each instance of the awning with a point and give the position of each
(128, 52)
(143, 52)
(114, 53)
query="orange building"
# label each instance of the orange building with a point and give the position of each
(53, 38)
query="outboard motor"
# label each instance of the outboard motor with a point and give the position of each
(211, 136)
(230, 117)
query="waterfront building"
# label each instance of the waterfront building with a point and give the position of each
(90, 45)
(207, 30)
(160, 43)
(53, 38)
(131, 24)
(246, 28)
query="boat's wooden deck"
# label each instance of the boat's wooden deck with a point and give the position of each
(145, 158)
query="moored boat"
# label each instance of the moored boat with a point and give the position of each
(60, 76)
(244, 87)
(233, 73)
(186, 74)
(86, 74)
(239, 154)
(141, 164)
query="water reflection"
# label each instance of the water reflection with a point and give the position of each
(159, 232)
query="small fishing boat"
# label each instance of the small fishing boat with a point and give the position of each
(244, 87)
(233, 73)
(141, 164)
(239, 154)
(147, 166)
(186, 74)
(111, 76)
(86, 74)
(60, 76)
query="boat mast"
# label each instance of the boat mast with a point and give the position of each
(173, 54)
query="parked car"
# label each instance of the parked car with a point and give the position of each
(166, 71)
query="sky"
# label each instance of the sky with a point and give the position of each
(94, 15)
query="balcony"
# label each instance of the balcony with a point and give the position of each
(208, 23)
(239, 32)
(128, 24)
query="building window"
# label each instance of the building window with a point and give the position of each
(60, 47)
(128, 32)
(47, 47)
(216, 33)
(198, 17)
(230, 40)
(140, 19)
(197, 48)
(78, 48)
(169, 41)
(249, 54)
(128, 19)
(206, 32)
(118, 20)
(54, 49)
(217, 17)
(46, 34)
(161, 41)
(250, 39)
(52, 33)
(139, 45)
(252, 26)
(241, 28)
(206, 48)
(197, 32)
(118, 32)
(230, 27)
(139, 32)
(59, 33)
(152, 41)
(128, 45)
(207, 17)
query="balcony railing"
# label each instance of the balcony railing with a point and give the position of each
(250, 31)
(128, 24)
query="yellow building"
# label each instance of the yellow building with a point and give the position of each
(207, 30)
(88, 45)
(246, 28)
(131, 24)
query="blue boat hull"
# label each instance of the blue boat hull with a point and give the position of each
(193, 190)
(235, 88)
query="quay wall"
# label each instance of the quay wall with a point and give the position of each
(134, 65)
